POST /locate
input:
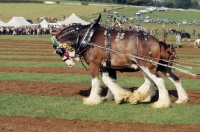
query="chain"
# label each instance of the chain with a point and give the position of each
(142, 58)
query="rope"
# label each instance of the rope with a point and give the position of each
(142, 58)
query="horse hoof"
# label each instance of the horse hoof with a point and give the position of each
(180, 101)
(133, 101)
(160, 105)
(88, 101)
(119, 101)
(147, 99)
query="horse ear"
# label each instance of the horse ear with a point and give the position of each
(98, 19)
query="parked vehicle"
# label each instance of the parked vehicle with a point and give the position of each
(159, 21)
(146, 20)
(173, 22)
(163, 9)
(153, 20)
(184, 22)
(109, 15)
(189, 23)
(197, 22)
(166, 21)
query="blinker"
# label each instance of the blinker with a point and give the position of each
(60, 51)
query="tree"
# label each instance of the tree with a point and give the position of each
(169, 3)
(185, 4)
(194, 4)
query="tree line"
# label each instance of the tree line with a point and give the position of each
(185, 4)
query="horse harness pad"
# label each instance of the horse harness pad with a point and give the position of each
(83, 45)
(120, 35)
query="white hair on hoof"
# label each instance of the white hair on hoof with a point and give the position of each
(145, 92)
(120, 94)
(163, 99)
(94, 97)
(109, 96)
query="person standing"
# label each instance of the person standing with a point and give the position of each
(178, 40)
(173, 50)
(194, 31)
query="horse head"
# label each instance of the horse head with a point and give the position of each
(73, 38)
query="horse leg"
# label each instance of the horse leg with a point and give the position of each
(163, 99)
(182, 95)
(119, 93)
(94, 97)
(145, 92)
(113, 75)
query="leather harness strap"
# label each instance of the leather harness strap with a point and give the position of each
(148, 46)
(107, 45)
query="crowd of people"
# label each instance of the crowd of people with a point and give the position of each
(25, 30)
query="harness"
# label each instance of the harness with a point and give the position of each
(107, 45)
(83, 45)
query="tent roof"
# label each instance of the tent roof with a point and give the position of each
(44, 23)
(18, 21)
(74, 19)
(2, 23)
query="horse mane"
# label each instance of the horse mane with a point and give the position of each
(165, 45)
(69, 27)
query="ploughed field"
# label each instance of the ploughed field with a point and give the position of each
(36, 51)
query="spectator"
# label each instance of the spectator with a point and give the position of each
(165, 33)
(199, 35)
(194, 31)
(173, 51)
(178, 40)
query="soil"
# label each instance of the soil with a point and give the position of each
(33, 124)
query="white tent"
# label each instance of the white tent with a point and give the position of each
(44, 23)
(2, 23)
(18, 21)
(74, 19)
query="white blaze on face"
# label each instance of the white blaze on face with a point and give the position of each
(67, 58)
(70, 62)
(71, 53)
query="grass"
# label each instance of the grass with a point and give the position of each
(35, 11)
(40, 10)
(86, 79)
(72, 108)
(37, 64)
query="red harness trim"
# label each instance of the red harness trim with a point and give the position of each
(66, 54)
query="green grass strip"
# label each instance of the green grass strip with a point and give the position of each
(29, 56)
(86, 79)
(27, 37)
(73, 108)
(189, 60)
(38, 64)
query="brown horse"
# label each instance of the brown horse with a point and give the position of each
(107, 51)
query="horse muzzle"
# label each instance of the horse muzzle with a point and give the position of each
(69, 61)
(66, 56)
